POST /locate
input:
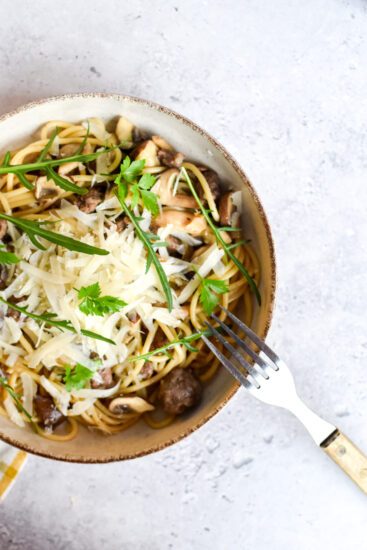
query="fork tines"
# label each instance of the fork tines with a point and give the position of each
(247, 372)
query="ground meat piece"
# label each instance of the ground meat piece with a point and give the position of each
(213, 181)
(3, 228)
(89, 202)
(104, 379)
(170, 158)
(121, 222)
(179, 391)
(4, 273)
(45, 408)
(147, 371)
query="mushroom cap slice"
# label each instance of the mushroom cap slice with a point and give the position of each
(191, 223)
(164, 189)
(129, 405)
(147, 150)
(226, 209)
(46, 189)
(124, 130)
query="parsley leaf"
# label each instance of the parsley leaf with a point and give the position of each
(92, 303)
(147, 181)
(131, 170)
(76, 378)
(49, 319)
(150, 201)
(140, 189)
(7, 257)
(210, 289)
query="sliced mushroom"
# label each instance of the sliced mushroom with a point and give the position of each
(194, 224)
(124, 130)
(164, 190)
(46, 189)
(147, 150)
(170, 158)
(70, 149)
(161, 143)
(69, 168)
(140, 135)
(3, 228)
(226, 209)
(89, 202)
(129, 405)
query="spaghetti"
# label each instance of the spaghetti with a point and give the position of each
(60, 379)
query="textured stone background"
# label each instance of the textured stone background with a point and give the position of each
(283, 85)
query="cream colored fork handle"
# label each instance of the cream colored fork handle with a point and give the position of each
(348, 457)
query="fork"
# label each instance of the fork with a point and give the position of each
(269, 379)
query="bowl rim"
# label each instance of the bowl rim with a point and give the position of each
(273, 281)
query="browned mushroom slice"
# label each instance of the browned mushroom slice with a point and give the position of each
(226, 209)
(164, 188)
(161, 143)
(124, 130)
(170, 158)
(3, 228)
(129, 405)
(147, 150)
(49, 415)
(70, 168)
(179, 390)
(194, 224)
(89, 202)
(46, 189)
(71, 149)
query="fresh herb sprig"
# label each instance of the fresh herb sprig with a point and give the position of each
(35, 229)
(92, 303)
(49, 319)
(47, 166)
(7, 258)
(210, 289)
(150, 241)
(139, 188)
(185, 341)
(76, 377)
(15, 397)
(217, 232)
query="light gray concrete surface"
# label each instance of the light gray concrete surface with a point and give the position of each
(284, 86)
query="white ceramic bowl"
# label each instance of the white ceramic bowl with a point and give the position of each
(16, 129)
